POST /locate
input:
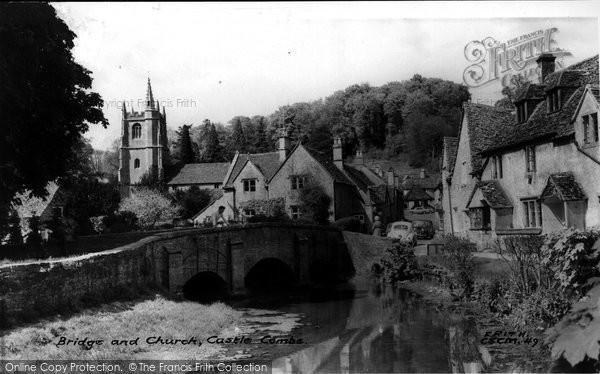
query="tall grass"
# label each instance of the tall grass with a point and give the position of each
(158, 317)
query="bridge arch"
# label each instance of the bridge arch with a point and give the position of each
(205, 286)
(269, 274)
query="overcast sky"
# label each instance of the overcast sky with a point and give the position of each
(217, 61)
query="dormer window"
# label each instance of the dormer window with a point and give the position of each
(553, 100)
(521, 111)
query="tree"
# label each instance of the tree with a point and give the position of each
(45, 96)
(260, 140)
(212, 150)
(149, 207)
(185, 150)
(14, 233)
(237, 136)
(314, 202)
(191, 200)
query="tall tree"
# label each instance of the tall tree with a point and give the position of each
(213, 151)
(261, 142)
(184, 144)
(237, 136)
(45, 98)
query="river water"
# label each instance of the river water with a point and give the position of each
(357, 328)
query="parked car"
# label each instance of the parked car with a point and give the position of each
(422, 210)
(423, 229)
(403, 231)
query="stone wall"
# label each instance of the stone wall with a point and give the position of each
(169, 260)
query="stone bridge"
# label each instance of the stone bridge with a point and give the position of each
(189, 262)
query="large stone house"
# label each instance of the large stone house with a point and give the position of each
(529, 171)
(353, 189)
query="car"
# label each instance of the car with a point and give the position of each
(422, 210)
(424, 229)
(402, 231)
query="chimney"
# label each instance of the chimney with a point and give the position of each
(422, 174)
(338, 157)
(546, 65)
(284, 144)
(390, 177)
(359, 159)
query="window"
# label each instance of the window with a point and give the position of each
(553, 100)
(532, 213)
(480, 218)
(136, 163)
(250, 212)
(521, 112)
(297, 182)
(530, 158)
(295, 210)
(217, 185)
(249, 185)
(590, 128)
(497, 167)
(360, 217)
(136, 131)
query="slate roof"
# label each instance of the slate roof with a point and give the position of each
(205, 173)
(493, 193)
(428, 183)
(486, 126)
(595, 91)
(328, 164)
(564, 186)
(542, 124)
(451, 148)
(529, 91)
(267, 163)
(358, 177)
(417, 193)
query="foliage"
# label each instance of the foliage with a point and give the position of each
(191, 200)
(14, 229)
(489, 293)
(34, 237)
(121, 222)
(152, 180)
(98, 224)
(185, 152)
(459, 255)
(212, 150)
(577, 335)
(570, 255)
(399, 263)
(542, 308)
(50, 112)
(238, 139)
(266, 207)
(27, 204)
(349, 224)
(149, 206)
(314, 203)
(524, 258)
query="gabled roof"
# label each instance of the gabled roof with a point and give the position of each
(541, 124)
(329, 166)
(564, 186)
(417, 193)
(486, 125)
(427, 183)
(493, 193)
(204, 173)
(267, 164)
(358, 177)
(450, 149)
(529, 91)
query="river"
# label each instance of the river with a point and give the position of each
(356, 328)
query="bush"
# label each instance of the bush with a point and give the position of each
(523, 256)
(399, 263)
(314, 203)
(121, 222)
(149, 206)
(348, 224)
(542, 308)
(192, 200)
(458, 253)
(491, 295)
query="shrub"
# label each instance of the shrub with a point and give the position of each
(314, 203)
(399, 263)
(523, 256)
(542, 308)
(191, 200)
(490, 294)
(121, 222)
(149, 206)
(348, 224)
(458, 253)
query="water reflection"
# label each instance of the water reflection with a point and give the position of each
(383, 330)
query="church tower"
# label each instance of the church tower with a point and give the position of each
(143, 144)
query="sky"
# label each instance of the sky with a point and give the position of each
(219, 60)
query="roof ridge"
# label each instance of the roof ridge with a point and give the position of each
(582, 61)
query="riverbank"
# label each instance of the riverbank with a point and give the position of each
(526, 356)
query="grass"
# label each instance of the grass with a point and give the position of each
(158, 317)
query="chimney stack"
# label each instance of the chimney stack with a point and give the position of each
(359, 159)
(422, 174)
(390, 177)
(546, 65)
(284, 144)
(338, 157)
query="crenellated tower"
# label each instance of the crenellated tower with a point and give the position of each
(143, 144)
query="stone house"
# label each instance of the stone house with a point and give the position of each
(530, 171)
(202, 175)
